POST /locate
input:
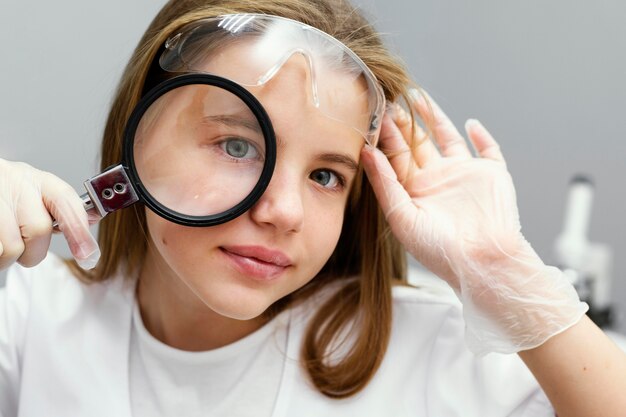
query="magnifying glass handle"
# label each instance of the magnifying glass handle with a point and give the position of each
(107, 192)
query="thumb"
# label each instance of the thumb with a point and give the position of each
(66, 208)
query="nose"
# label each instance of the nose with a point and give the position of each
(281, 205)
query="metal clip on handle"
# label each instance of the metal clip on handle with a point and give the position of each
(107, 192)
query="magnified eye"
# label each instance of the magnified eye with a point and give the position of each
(326, 178)
(239, 149)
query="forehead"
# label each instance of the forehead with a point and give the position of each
(296, 85)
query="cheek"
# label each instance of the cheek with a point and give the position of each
(322, 231)
(176, 244)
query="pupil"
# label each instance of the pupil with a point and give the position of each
(323, 177)
(237, 148)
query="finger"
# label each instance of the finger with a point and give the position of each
(424, 151)
(485, 145)
(35, 225)
(394, 146)
(448, 138)
(66, 208)
(390, 194)
(11, 245)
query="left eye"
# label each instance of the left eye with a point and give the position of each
(239, 148)
(325, 178)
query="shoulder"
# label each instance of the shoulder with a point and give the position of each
(50, 273)
(428, 369)
(427, 319)
(73, 329)
(428, 303)
(52, 291)
(49, 276)
(430, 316)
(427, 336)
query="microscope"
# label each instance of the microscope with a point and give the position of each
(587, 264)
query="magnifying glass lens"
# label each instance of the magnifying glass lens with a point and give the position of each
(199, 150)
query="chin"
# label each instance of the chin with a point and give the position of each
(239, 305)
(238, 313)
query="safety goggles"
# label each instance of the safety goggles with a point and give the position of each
(335, 75)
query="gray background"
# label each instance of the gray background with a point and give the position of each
(545, 77)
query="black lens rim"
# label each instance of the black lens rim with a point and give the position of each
(266, 128)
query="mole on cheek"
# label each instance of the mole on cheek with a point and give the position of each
(164, 241)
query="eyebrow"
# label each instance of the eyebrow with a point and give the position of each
(339, 158)
(234, 120)
(329, 157)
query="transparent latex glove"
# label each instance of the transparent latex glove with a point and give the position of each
(29, 200)
(457, 215)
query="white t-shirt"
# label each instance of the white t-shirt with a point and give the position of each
(240, 379)
(68, 349)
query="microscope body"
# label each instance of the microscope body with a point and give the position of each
(587, 264)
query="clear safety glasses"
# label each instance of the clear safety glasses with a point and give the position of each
(199, 148)
(263, 45)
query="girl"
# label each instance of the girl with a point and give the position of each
(300, 305)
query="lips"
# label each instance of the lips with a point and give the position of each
(256, 261)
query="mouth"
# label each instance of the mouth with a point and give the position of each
(257, 262)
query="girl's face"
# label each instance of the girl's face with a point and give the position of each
(238, 269)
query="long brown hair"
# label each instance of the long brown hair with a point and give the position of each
(365, 249)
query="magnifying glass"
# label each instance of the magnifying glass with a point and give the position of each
(199, 150)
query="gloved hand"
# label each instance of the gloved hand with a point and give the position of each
(29, 199)
(457, 215)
